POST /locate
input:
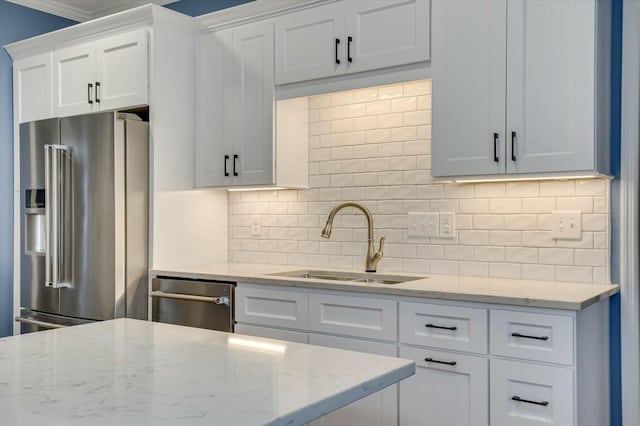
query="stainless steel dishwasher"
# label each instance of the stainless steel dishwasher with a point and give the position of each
(194, 303)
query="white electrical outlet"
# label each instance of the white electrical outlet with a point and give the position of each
(422, 225)
(567, 225)
(447, 225)
(256, 228)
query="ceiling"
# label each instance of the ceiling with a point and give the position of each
(85, 10)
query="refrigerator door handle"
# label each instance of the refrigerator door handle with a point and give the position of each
(58, 216)
(42, 324)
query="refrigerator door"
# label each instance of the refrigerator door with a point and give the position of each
(91, 139)
(34, 295)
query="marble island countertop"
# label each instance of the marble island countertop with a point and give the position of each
(129, 372)
(541, 294)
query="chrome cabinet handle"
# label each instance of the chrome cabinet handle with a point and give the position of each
(442, 327)
(89, 93)
(528, 401)
(451, 363)
(39, 323)
(527, 336)
(58, 195)
(97, 91)
(495, 147)
(220, 300)
(337, 59)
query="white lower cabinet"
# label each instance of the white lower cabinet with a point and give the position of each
(379, 409)
(477, 364)
(525, 394)
(447, 389)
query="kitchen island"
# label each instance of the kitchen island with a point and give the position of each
(130, 372)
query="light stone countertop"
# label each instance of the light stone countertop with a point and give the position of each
(518, 292)
(129, 372)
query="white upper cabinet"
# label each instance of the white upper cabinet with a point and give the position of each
(241, 133)
(74, 79)
(385, 33)
(521, 89)
(351, 36)
(469, 60)
(33, 88)
(122, 70)
(310, 44)
(550, 85)
(253, 90)
(106, 74)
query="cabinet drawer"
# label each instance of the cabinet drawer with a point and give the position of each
(450, 389)
(526, 394)
(354, 316)
(272, 333)
(280, 308)
(442, 326)
(538, 337)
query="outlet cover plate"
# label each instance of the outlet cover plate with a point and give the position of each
(447, 225)
(422, 225)
(567, 225)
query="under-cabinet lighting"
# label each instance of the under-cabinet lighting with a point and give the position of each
(521, 179)
(259, 188)
(256, 344)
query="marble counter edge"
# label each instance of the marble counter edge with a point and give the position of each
(326, 406)
(608, 290)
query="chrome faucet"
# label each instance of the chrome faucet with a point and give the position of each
(373, 256)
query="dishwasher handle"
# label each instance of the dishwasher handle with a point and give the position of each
(42, 324)
(222, 300)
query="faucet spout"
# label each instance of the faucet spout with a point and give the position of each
(373, 256)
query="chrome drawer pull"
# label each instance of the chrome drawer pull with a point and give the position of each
(451, 363)
(526, 336)
(453, 328)
(216, 300)
(39, 323)
(528, 401)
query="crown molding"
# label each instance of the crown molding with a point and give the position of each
(252, 11)
(58, 8)
(148, 14)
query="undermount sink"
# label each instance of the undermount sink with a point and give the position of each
(364, 277)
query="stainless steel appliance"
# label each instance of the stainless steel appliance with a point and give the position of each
(194, 303)
(84, 220)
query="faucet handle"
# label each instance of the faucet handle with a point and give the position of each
(380, 249)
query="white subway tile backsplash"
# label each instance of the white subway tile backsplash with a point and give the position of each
(374, 146)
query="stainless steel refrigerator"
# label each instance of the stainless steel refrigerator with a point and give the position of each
(84, 220)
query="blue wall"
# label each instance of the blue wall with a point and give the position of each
(16, 23)
(614, 327)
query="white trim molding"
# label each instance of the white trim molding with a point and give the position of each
(81, 14)
(629, 215)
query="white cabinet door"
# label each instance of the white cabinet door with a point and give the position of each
(33, 87)
(551, 85)
(384, 33)
(277, 306)
(378, 409)
(469, 73)
(310, 43)
(448, 389)
(121, 74)
(527, 394)
(74, 80)
(253, 88)
(214, 67)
